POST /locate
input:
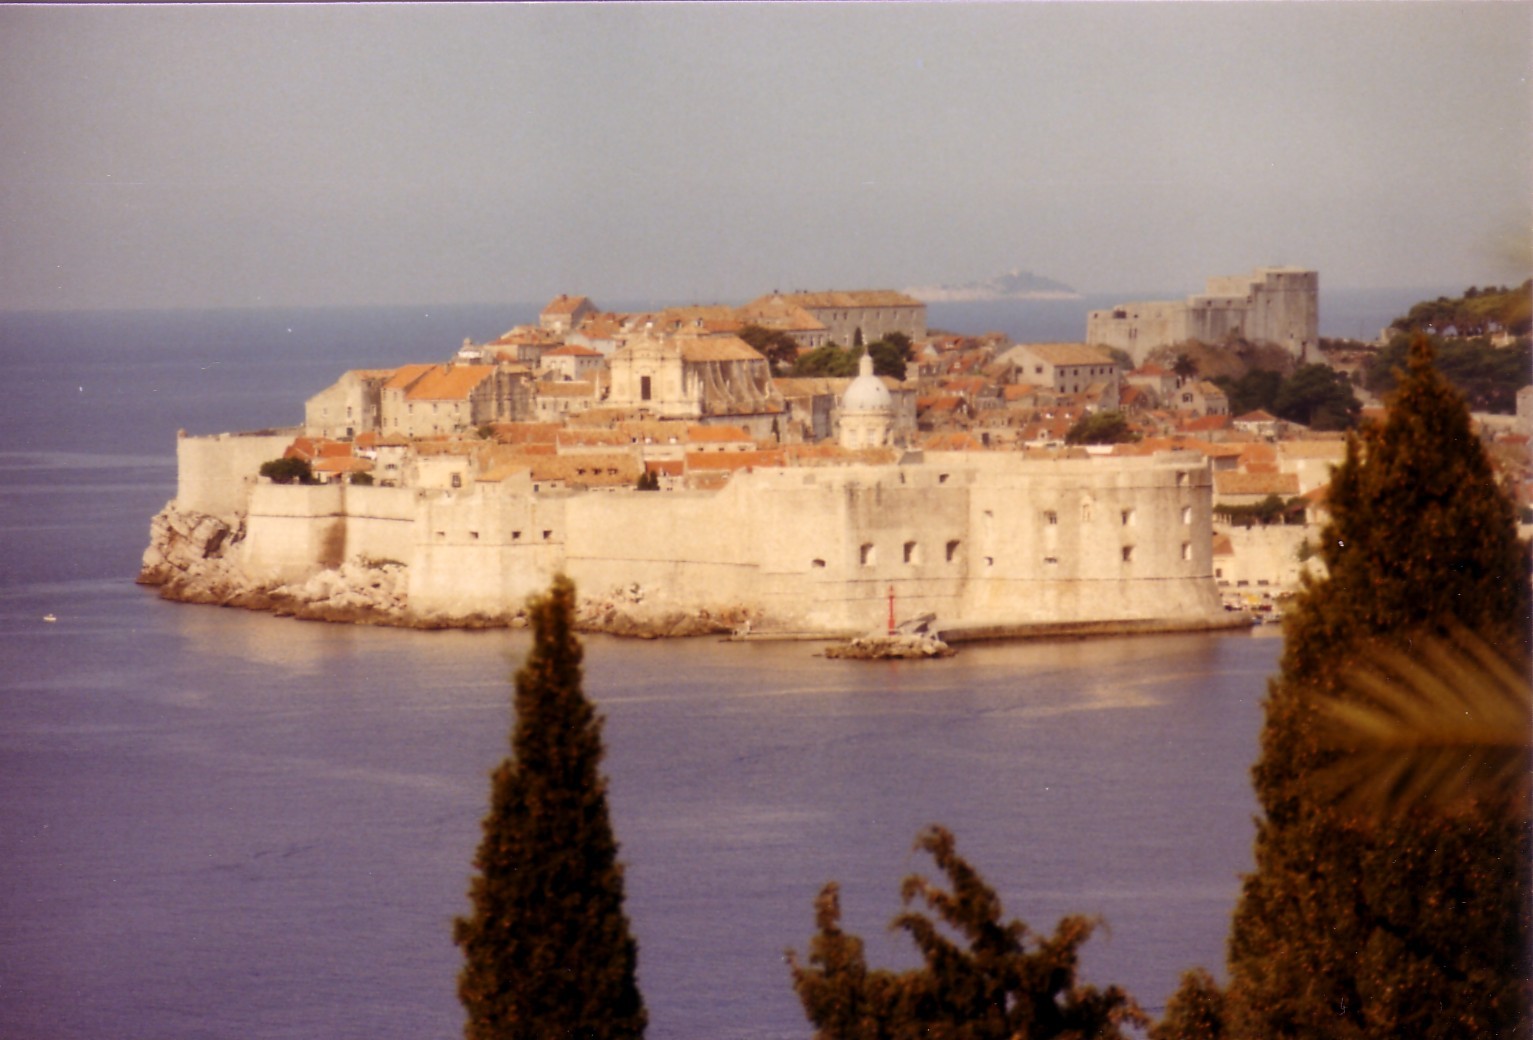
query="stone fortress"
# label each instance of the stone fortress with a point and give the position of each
(1276, 305)
(821, 533)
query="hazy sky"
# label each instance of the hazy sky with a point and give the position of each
(297, 155)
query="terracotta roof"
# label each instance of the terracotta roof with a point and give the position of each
(715, 348)
(525, 432)
(956, 440)
(563, 304)
(342, 465)
(450, 383)
(1206, 423)
(1068, 353)
(732, 460)
(572, 350)
(774, 312)
(587, 436)
(1257, 416)
(1234, 482)
(851, 299)
(583, 388)
(699, 434)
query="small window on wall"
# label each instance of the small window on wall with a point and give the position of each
(457, 480)
(644, 388)
(1128, 518)
(952, 551)
(1051, 518)
(912, 552)
(1128, 554)
(1186, 514)
(1186, 550)
(1051, 561)
(867, 555)
(817, 563)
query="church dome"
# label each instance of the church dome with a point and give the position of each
(867, 392)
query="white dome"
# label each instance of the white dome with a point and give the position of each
(867, 392)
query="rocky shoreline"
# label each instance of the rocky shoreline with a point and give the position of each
(190, 559)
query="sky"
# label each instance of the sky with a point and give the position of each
(291, 155)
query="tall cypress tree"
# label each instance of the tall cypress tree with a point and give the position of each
(1414, 924)
(547, 947)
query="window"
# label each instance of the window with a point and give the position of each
(1181, 478)
(912, 552)
(547, 535)
(1128, 517)
(1128, 554)
(989, 561)
(644, 388)
(1186, 514)
(457, 480)
(1051, 518)
(816, 563)
(516, 536)
(866, 555)
(1186, 550)
(952, 550)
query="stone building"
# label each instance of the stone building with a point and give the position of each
(869, 313)
(696, 377)
(1066, 368)
(431, 400)
(348, 406)
(565, 313)
(1276, 305)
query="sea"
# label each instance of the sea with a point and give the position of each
(218, 824)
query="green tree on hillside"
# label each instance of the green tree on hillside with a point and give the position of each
(1319, 397)
(997, 983)
(546, 947)
(1488, 376)
(890, 355)
(1414, 924)
(829, 361)
(779, 348)
(1101, 428)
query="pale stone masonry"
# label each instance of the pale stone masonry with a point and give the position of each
(1276, 305)
(987, 542)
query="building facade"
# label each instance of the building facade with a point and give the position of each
(1275, 305)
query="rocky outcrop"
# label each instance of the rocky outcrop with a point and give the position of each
(881, 648)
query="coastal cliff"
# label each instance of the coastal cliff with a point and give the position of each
(194, 557)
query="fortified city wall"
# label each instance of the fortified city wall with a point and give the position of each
(1278, 305)
(976, 539)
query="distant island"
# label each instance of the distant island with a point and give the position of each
(1013, 285)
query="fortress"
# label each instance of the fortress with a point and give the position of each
(1278, 305)
(992, 544)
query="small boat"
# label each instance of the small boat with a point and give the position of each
(50, 617)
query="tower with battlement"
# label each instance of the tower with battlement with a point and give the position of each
(1274, 305)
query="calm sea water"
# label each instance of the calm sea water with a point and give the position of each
(219, 824)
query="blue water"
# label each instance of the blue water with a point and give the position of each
(220, 824)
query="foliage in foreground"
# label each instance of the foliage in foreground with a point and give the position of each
(1000, 982)
(1416, 923)
(547, 947)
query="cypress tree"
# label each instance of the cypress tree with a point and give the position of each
(1413, 924)
(547, 948)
